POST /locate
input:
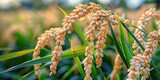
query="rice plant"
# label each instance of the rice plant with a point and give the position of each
(135, 48)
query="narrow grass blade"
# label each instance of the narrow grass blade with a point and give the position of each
(80, 33)
(79, 51)
(68, 72)
(140, 30)
(117, 45)
(133, 36)
(46, 50)
(118, 76)
(77, 61)
(152, 63)
(15, 54)
(150, 77)
(104, 78)
(25, 76)
(79, 66)
(94, 72)
(28, 63)
(63, 11)
(108, 77)
(109, 36)
(130, 40)
(124, 44)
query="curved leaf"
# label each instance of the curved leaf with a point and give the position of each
(23, 77)
(15, 54)
(63, 11)
(67, 54)
(133, 36)
(77, 61)
(124, 43)
(68, 72)
(117, 45)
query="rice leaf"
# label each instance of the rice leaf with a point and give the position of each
(108, 77)
(63, 11)
(77, 61)
(104, 78)
(25, 76)
(80, 34)
(124, 43)
(154, 66)
(79, 51)
(28, 63)
(133, 36)
(68, 72)
(117, 45)
(130, 40)
(118, 76)
(79, 66)
(15, 54)
(94, 72)
(140, 30)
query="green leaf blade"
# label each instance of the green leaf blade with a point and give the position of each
(80, 34)
(25, 76)
(133, 36)
(79, 66)
(68, 72)
(117, 45)
(79, 51)
(15, 54)
(124, 43)
(63, 11)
